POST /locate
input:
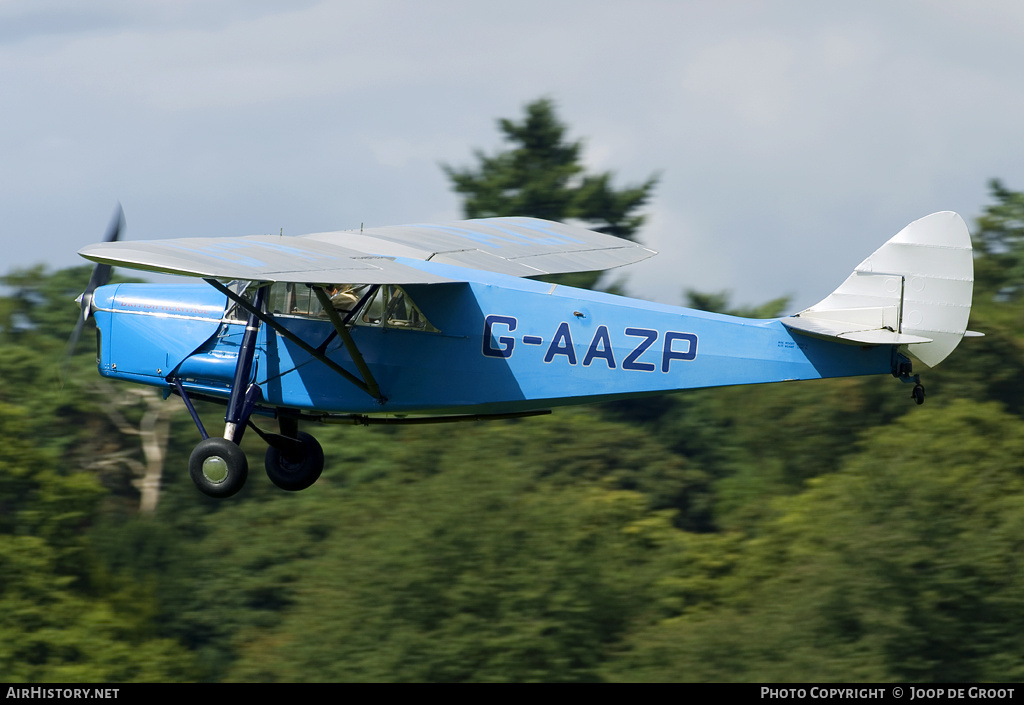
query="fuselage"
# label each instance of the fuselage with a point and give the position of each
(493, 344)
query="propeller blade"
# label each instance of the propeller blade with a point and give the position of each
(100, 276)
(101, 272)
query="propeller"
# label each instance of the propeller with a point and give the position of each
(100, 276)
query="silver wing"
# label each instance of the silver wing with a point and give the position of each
(515, 246)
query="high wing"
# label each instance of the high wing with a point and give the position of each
(517, 246)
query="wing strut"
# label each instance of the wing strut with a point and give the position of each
(287, 334)
(346, 338)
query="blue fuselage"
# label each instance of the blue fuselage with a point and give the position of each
(502, 344)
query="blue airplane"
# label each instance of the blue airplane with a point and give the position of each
(445, 322)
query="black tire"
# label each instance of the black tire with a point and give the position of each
(218, 467)
(295, 470)
(918, 394)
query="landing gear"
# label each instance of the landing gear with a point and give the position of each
(903, 370)
(918, 394)
(295, 463)
(294, 460)
(218, 467)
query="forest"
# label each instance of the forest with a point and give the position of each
(813, 531)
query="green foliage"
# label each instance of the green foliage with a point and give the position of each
(58, 625)
(55, 634)
(999, 238)
(52, 630)
(903, 566)
(464, 575)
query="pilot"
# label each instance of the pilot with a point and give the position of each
(344, 296)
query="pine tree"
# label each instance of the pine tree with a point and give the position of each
(540, 174)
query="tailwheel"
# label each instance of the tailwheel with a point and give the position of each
(295, 463)
(918, 394)
(218, 467)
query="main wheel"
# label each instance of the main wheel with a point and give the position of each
(218, 467)
(298, 468)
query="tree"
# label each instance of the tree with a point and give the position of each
(53, 629)
(999, 242)
(903, 566)
(539, 174)
(462, 576)
(35, 320)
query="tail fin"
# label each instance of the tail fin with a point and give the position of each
(914, 291)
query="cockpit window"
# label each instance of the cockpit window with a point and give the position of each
(289, 299)
(391, 307)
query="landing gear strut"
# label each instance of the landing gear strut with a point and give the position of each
(218, 467)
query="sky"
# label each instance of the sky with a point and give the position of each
(792, 138)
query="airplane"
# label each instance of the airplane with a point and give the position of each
(445, 322)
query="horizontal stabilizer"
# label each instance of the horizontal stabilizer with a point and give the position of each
(851, 333)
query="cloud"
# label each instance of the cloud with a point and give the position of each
(791, 133)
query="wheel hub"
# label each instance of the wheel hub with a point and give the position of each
(215, 469)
